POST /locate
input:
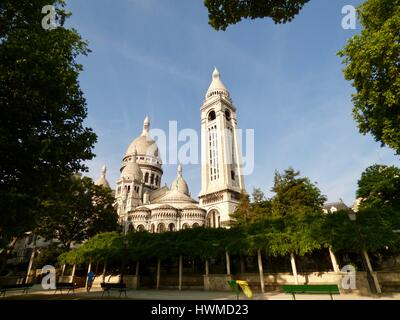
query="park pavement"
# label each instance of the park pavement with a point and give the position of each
(37, 293)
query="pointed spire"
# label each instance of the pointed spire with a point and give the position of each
(216, 85)
(146, 126)
(179, 170)
(103, 171)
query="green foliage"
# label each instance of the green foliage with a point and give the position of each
(372, 61)
(48, 255)
(223, 13)
(42, 109)
(294, 195)
(79, 213)
(379, 187)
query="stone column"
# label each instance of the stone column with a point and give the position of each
(180, 273)
(293, 263)
(228, 263)
(334, 261)
(260, 270)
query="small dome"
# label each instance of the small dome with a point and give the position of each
(216, 86)
(179, 184)
(132, 170)
(102, 181)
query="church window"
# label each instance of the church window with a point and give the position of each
(152, 178)
(171, 227)
(227, 115)
(129, 188)
(156, 180)
(233, 175)
(146, 177)
(211, 115)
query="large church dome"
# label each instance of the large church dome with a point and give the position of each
(144, 144)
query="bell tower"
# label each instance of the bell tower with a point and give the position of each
(221, 176)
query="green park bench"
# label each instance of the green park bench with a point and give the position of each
(107, 287)
(22, 286)
(311, 289)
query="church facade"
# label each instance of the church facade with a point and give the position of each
(144, 204)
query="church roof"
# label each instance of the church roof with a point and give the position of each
(132, 170)
(179, 183)
(144, 144)
(216, 86)
(102, 181)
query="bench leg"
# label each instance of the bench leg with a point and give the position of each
(294, 297)
(103, 293)
(331, 296)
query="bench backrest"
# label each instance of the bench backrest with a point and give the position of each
(330, 288)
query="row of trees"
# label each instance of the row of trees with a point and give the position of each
(291, 222)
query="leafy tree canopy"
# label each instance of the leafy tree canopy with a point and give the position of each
(223, 13)
(372, 61)
(42, 111)
(295, 195)
(379, 187)
(79, 213)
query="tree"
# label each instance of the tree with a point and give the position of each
(223, 13)
(295, 195)
(243, 213)
(372, 61)
(80, 213)
(379, 187)
(42, 110)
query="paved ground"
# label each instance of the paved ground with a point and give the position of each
(80, 294)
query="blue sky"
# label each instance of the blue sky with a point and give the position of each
(155, 58)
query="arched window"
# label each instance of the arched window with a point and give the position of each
(156, 180)
(211, 115)
(227, 115)
(152, 228)
(140, 227)
(195, 225)
(185, 226)
(146, 177)
(171, 227)
(213, 219)
(152, 178)
(161, 228)
(130, 227)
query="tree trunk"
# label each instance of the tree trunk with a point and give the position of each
(88, 270)
(104, 271)
(158, 273)
(180, 273)
(242, 265)
(63, 270)
(73, 271)
(30, 265)
(137, 268)
(228, 263)
(369, 266)
(260, 270)
(294, 269)
(207, 268)
(335, 265)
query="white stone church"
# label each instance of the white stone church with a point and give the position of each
(142, 203)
